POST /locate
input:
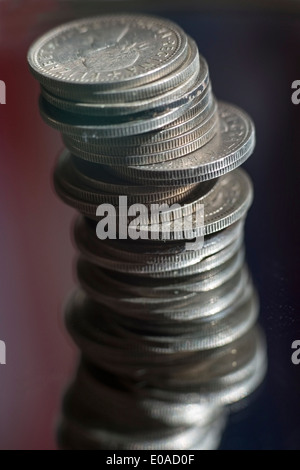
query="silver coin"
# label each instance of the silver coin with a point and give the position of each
(73, 435)
(125, 256)
(240, 318)
(91, 128)
(77, 188)
(180, 414)
(205, 334)
(202, 282)
(229, 148)
(107, 52)
(204, 259)
(225, 377)
(172, 97)
(103, 347)
(126, 405)
(157, 252)
(205, 372)
(202, 334)
(161, 85)
(195, 140)
(199, 126)
(206, 264)
(187, 306)
(154, 153)
(198, 111)
(197, 283)
(95, 177)
(233, 189)
(146, 195)
(225, 203)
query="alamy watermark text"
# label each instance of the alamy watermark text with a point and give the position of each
(158, 221)
(2, 353)
(2, 92)
(296, 354)
(296, 94)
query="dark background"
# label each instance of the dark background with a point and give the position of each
(254, 57)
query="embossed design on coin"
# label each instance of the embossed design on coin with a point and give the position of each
(109, 51)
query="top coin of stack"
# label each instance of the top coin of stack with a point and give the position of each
(131, 92)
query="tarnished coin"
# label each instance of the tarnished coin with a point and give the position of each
(97, 152)
(118, 125)
(144, 258)
(223, 375)
(171, 98)
(102, 393)
(205, 264)
(198, 282)
(150, 252)
(177, 307)
(204, 333)
(167, 82)
(224, 203)
(194, 261)
(78, 188)
(153, 153)
(74, 435)
(97, 178)
(93, 127)
(232, 145)
(107, 52)
(194, 115)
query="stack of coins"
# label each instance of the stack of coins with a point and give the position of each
(165, 319)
